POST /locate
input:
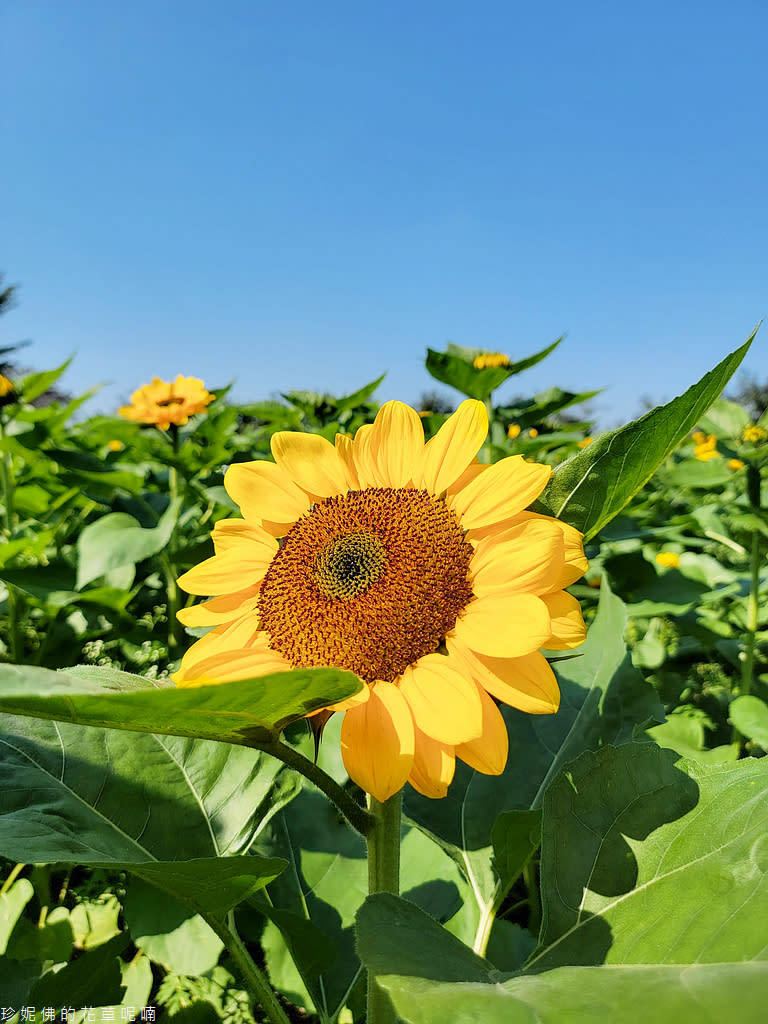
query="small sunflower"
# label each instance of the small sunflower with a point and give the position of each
(163, 403)
(490, 360)
(409, 564)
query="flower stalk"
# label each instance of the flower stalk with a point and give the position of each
(383, 842)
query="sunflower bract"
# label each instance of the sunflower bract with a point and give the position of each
(409, 564)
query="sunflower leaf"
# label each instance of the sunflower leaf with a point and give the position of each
(705, 993)
(647, 858)
(455, 368)
(593, 486)
(247, 712)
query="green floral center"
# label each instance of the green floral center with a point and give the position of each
(349, 564)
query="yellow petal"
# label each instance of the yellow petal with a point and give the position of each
(231, 533)
(444, 702)
(448, 454)
(531, 563)
(504, 625)
(576, 563)
(377, 742)
(488, 754)
(220, 609)
(227, 666)
(505, 489)
(225, 573)
(433, 767)
(311, 462)
(265, 491)
(227, 641)
(395, 444)
(526, 683)
(344, 449)
(568, 629)
(365, 464)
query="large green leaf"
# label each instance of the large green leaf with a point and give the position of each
(590, 488)
(118, 539)
(649, 861)
(34, 384)
(248, 712)
(173, 811)
(750, 716)
(455, 367)
(689, 994)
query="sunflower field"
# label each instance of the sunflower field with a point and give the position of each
(320, 709)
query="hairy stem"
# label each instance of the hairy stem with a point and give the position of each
(255, 979)
(383, 842)
(360, 820)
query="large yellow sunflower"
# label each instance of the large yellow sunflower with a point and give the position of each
(408, 563)
(165, 402)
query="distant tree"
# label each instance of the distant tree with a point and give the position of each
(9, 367)
(751, 393)
(433, 401)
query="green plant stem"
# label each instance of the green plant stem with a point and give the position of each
(484, 455)
(175, 634)
(747, 667)
(383, 842)
(360, 820)
(534, 903)
(255, 979)
(6, 478)
(12, 876)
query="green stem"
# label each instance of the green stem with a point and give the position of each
(255, 979)
(6, 477)
(175, 634)
(484, 455)
(747, 667)
(360, 820)
(534, 904)
(13, 875)
(383, 842)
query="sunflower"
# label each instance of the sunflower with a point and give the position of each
(165, 402)
(409, 564)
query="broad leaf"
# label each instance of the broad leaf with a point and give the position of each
(725, 419)
(455, 367)
(105, 797)
(248, 712)
(118, 539)
(648, 861)
(750, 716)
(700, 993)
(592, 487)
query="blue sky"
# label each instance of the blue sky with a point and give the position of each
(303, 195)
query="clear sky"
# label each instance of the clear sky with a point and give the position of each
(302, 195)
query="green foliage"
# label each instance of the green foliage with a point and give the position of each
(616, 866)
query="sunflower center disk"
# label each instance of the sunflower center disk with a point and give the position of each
(369, 581)
(349, 564)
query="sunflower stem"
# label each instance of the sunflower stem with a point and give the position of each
(255, 979)
(175, 637)
(383, 842)
(360, 820)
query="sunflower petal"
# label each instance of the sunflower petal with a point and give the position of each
(311, 462)
(488, 754)
(396, 443)
(264, 491)
(504, 490)
(377, 742)
(504, 625)
(444, 702)
(568, 628)
(222, 574)
(232, 533)
(219, 609)
(433, 766)
(527, 683)
(345, 451)
(448, 454)
(530, 564)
